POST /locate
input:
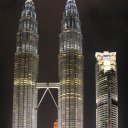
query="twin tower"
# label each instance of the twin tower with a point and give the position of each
(70, 87)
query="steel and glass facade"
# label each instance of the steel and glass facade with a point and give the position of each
(70, 86)
(106, 90)
(25, 70)
(70, 113)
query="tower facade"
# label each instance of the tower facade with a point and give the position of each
(70, 113)
(106, 90)
(25, 70)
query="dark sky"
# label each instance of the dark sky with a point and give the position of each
(104, 26)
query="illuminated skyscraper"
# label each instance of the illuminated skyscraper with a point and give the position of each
(70, 69)
(25, 70)
(106, 90)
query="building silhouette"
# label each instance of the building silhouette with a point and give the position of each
(70, 60)
(106, 90)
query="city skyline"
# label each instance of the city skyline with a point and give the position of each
(108, 44)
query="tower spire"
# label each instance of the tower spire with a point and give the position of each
(28, 1)
(71, 8)
(28, 28)
(70, 25)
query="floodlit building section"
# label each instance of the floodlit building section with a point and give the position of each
(106, 90)
(56, 124)
(106, 60)
(70, 114)
(26, 70)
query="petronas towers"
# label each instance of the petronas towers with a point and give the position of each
(70, 66)
(70, 69)
(26, 69)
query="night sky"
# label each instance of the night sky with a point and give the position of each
(104, 26)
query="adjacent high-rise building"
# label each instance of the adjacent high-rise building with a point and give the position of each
(106, 90)
(25, 70)
(70, 59)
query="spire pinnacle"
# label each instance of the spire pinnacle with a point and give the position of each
(71, 8)
(28, 1)
(70, 0)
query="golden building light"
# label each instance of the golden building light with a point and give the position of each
(56, 124)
